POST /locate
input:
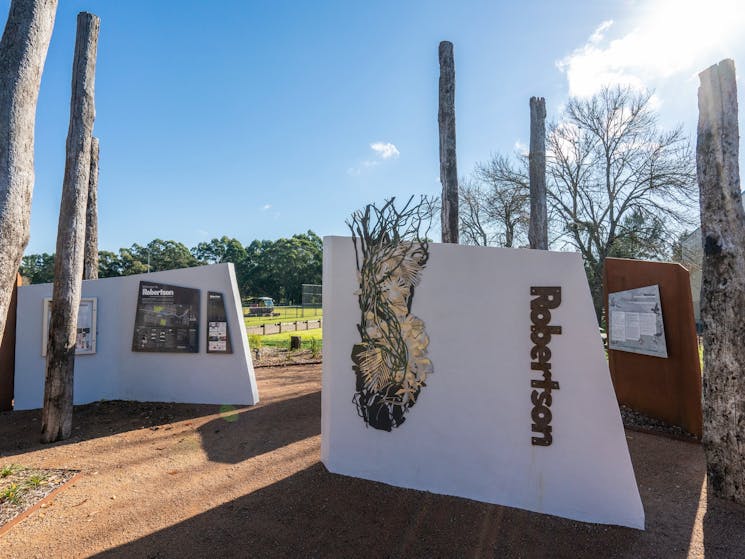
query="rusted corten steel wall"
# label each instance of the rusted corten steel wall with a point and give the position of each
(8, 353)
(666, 389)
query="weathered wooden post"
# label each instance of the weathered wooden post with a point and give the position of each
(90, 258)
(538, 229)
(448, 165)
(723, 286)
(23, 50)
(68, 264)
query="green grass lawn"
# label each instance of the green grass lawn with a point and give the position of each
(285, 314)
(283, 340)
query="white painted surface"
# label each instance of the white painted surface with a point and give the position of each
(469, 433)
(115, 372)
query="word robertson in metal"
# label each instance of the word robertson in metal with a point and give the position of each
(545, 299)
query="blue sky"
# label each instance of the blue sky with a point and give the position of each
(264, 119)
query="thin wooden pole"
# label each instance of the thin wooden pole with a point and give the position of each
(538, 229)
(448, 164)
(90, 259)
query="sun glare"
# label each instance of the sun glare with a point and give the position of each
(664, 38)
(679, 32)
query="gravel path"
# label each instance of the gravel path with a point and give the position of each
(187, 481)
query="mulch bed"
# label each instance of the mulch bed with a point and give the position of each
(21, 488)
(637, 421)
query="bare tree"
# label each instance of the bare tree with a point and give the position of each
(538, 229)
(476, 227)
(448, 164)
(56, 415)
(723, 287)
(615, 178)
(496, 203)
(23, 50)
(90, 258)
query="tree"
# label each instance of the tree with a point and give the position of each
(616, 178)
(616, 183)
(56, 415)
(23, 50)
(166, 255)
(723, 285)
(133, 260)
(220, 250)
(38, 268)
(109, 265)
(496, 203)
(279, 268)
(476, 227)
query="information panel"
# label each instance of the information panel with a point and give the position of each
(167, 319)
(85, 341)
(635, 319)
(218, 333)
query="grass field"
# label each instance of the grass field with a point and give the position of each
(285, 314)
(283, 340)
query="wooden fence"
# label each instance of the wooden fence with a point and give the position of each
(280, 327)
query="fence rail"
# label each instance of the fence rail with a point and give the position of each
(279, 327)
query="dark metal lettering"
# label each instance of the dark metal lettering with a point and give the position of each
(545, 299)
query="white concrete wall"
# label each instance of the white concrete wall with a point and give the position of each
(469, 433)
(115, 371)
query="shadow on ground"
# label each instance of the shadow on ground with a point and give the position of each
(724, 529)
(20, 430)
(313, 513)
(237, 436)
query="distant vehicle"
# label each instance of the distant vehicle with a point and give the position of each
(260, 306)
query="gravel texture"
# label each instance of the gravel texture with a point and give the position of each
(633, 419)
(23, 487)
(192, 481)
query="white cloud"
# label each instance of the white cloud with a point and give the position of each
(599, 33)
(385, 150)
(266, 207)
(521, 148)
(671, 37)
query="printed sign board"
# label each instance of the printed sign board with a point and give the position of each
(635, 320)
(218, 331)
(487, 381)
(85, 342)
(167, 319)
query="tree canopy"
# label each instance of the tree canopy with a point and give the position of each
(274, 269)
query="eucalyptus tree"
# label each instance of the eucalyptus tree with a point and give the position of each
(23, 50)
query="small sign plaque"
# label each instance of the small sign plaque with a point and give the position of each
(635, 321)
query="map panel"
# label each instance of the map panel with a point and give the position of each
(167, 319)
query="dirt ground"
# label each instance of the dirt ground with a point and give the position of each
(181, 481)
